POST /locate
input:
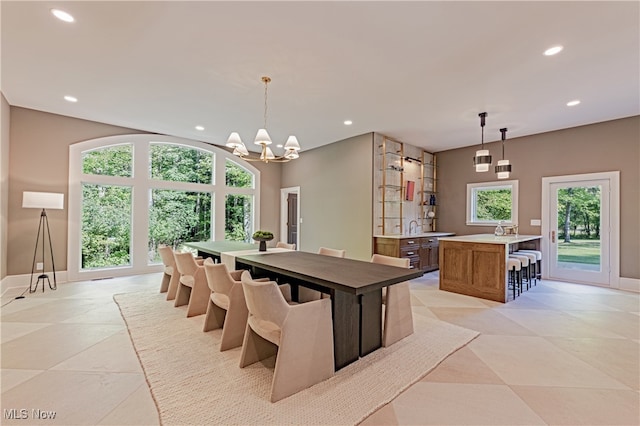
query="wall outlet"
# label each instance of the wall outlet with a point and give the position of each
(39, 266)
(536, 222)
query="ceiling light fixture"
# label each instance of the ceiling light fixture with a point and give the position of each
(62, 15)
(348, 122)
(503, 169)
(291, 147)
(573, 103)
(553, 50)
(482, 160)
(200, 128)
(70, 98)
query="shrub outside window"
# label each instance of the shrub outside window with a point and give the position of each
(490, 203)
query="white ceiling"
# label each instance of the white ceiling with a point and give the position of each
(416, 71)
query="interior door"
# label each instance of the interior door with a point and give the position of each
(292, 218)
(580, 231)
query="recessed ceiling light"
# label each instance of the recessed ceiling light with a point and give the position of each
(553, 50)
(70, 98)
(348, 122)
(62, 15)
(199, 128)
(573, 103)
(279, 145)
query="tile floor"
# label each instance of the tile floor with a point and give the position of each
(560, 354)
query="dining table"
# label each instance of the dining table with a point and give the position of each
(355, 288)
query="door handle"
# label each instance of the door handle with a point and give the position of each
(553, 236)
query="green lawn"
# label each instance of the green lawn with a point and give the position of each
(580, 251)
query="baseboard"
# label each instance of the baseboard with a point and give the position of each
(629, 284)
(15, 283)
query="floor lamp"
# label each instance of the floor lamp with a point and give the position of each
(44, 201)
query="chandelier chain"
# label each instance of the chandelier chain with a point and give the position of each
(266, 83)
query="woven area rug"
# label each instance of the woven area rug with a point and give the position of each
(192, 382)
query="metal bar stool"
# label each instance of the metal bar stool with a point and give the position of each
(533, 259)
(524, 261)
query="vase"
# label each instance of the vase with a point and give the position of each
(263, 246)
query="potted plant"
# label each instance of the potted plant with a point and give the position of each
(263, 237)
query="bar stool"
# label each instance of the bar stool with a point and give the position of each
(514, 267)
(533, 259)
(538, 261)
(524, 265)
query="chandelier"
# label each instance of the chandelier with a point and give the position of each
(291, 148)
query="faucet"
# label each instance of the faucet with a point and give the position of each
(411, 223)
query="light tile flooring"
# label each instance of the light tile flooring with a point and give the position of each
(560, 354)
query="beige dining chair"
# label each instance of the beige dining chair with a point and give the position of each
(300, 336)
(398, 317)
(170, 275)
(280, 244)
(192, 285)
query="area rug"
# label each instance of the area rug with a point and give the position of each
(192, 382)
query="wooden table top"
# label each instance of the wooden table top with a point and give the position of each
(217, 247)
(349, 275)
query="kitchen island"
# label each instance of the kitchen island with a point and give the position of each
(475, 265)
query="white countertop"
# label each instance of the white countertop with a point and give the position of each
(491, 239)
(424, 234)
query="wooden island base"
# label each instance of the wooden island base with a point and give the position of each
(475, 265)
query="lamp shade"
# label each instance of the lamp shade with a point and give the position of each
(234, 140)
(267, 154)
(262, 138)
(503, 169)
(482, 160)
(42, 200)
(292, 144)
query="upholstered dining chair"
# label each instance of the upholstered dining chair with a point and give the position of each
(280, 244)
(331, 252)
(398, 318)
(300, 336)
(192, 286)
(170, 275)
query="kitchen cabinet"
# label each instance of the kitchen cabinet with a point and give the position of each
(421, 250)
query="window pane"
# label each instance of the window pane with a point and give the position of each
(106, 226)
(493, 204)
(110, 161)
(238, 218)
(176, 217)
(180, 164)
(238, 176)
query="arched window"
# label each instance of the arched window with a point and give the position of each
(128, 194)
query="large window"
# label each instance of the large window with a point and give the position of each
(490, 203)
(128, 194)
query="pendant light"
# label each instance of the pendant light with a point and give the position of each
(503, 169)
(291, 147)
(482, 160)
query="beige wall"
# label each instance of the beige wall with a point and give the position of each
(39, 158)
(335, 195)
(5, 126)
(602, 147)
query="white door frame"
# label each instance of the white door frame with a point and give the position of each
(614, 217)
(284, 192)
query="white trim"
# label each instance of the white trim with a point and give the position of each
(629, 284)
(506, 184)
(140, 178)
(614, 218)
(283, 212)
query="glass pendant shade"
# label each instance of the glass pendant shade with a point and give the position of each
(262, 138)
(234, 140)
(482, 160)
(503, 169)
